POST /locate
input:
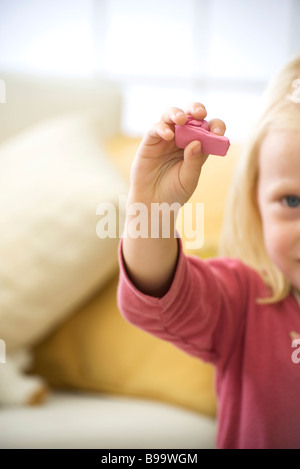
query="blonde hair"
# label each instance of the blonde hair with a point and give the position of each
(242, 232)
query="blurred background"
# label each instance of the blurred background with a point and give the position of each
(80, 82)
(161, 53)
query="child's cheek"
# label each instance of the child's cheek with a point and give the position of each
(276, 241)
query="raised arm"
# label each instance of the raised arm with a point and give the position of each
(161, 173)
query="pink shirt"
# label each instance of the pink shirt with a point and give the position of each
(210, 312)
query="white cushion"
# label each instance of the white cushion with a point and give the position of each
(52, 178)
(88, 421)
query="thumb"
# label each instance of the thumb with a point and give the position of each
(193, 160)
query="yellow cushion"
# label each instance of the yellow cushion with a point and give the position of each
(54, 175)
(97, 350)
(212, 191)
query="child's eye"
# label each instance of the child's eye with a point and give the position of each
(292, 201)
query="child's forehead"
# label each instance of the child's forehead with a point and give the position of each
(280, 139)
(277, 137)
(280, 151)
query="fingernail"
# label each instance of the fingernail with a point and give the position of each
(218, 131)
(196, 148)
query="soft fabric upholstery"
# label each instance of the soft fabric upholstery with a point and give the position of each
(74, 420)
(97, 350)
(52, 178)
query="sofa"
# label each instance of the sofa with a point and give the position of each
(63, 158)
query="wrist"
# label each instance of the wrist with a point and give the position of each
(153, 220)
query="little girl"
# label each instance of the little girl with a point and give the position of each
(241, 311)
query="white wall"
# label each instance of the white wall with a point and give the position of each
(52, 37)
(163, 52)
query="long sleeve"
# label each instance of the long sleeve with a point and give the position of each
(201, 313)
(211, 312)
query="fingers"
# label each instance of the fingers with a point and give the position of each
(193, 154)
(159, 131)
(190, 169)
(174, 115)
(217, 126)
(164, 129)
(197, 110)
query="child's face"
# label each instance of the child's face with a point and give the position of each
(279, 201)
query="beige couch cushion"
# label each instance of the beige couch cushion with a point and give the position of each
(52, 179)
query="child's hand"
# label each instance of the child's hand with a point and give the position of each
(162, 172)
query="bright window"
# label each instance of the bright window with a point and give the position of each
(162, 52)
